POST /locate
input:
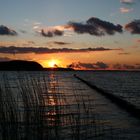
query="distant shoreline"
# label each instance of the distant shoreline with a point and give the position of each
(22, 65)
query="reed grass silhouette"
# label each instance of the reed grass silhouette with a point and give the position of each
(38, 108)
(48, 106)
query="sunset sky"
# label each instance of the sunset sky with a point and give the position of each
(84, 34)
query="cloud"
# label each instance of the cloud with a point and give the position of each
(59, 43)
(4, 59)
(133, 27)
(126, 67)
(95, 66)
(137, 66)
(117, 66)
(125, 53)
(125, 10)
(14, 50)
(21, 43)
(51, 33)
(93, 26)
(80, 65)
(107, 27)
(36, 25)
(7, 31)
(84, 28)
(129, 2)
(103, 66)
(96, 26)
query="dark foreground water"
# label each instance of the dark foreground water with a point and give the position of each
(126, 84)
(57, 106)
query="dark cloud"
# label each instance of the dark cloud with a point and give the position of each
(117, 66)
(13, 49)
(93, 26)
(4, 59)
(98, 49)
(84, 28)
(96, 26)
(95, 66)
(107, 27)
(101, 65)
(133, 27)
(51, 33)
(86, 65)
(60, 43)
(80, 65)
(126, 67)
(128, 2)
(7, 31)
(138, 66)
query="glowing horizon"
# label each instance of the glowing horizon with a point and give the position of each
(86, 34)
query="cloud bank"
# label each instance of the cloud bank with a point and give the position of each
(97, 65)
(126, 67)
(93, 26)
(16, 50)
(103, 66)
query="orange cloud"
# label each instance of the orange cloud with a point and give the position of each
(125, 10)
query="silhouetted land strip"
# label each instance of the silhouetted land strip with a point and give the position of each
(132, 109)
(21, 65)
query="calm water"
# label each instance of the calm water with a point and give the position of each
(123, 84)
(56, 105)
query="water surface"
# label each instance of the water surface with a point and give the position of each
(56, 105)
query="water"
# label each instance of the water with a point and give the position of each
(56, 105)
(126, 84)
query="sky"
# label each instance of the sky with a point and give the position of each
(82, 34)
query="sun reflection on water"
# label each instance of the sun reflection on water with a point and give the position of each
(51, 102)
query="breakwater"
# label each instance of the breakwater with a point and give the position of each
(132, 109)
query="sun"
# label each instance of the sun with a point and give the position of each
(53, 63)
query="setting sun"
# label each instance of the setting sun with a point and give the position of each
(53, 63)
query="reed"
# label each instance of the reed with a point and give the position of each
(46, 106)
